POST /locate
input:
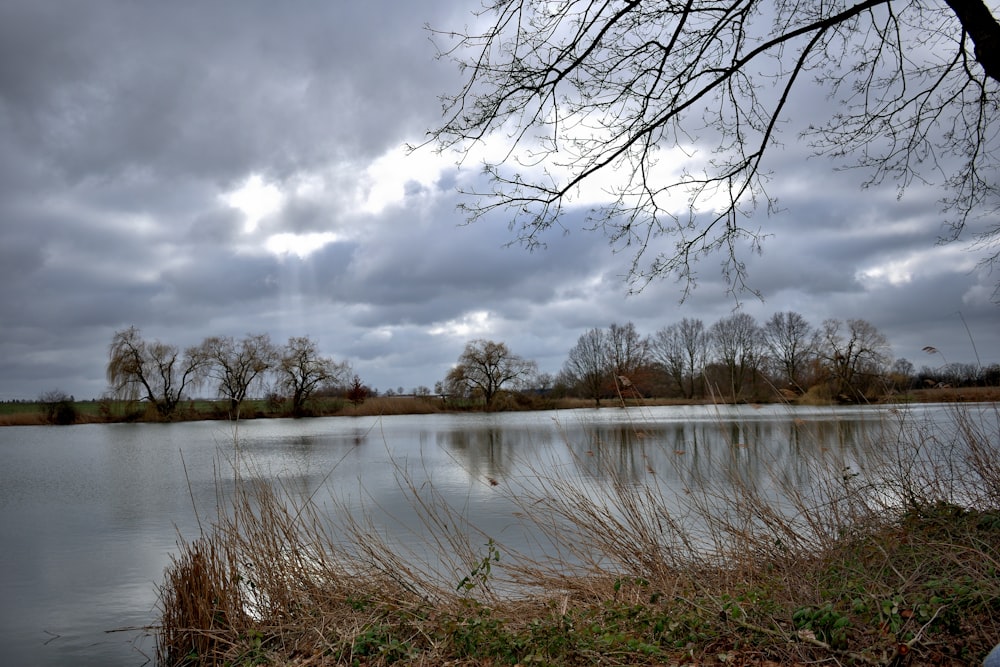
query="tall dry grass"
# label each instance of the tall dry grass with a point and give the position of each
(22, 419)
(394, 405)
(893, 559)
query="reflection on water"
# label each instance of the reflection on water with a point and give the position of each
(683, 452)
(90, 514)
(489, 453)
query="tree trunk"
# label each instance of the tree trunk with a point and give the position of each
(984, 30)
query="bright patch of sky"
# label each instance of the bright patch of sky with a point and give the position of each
(302, 245)
(892, 273)
(933, 261)
(256, 199)
(470, 325)
(385, 180)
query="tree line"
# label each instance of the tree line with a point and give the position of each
(161, 375)
(733, 359)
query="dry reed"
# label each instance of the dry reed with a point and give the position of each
(885, 560)
(22, 419)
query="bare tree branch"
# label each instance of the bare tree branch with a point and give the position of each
(614, 102)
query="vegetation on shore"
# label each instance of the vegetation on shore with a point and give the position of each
(37, 413)
(108, 411)
(27, 413)
(734, 360)
(890, 561)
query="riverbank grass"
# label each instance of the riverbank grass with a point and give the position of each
(896, 561)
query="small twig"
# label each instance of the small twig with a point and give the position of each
(923, 627)
(132, 628)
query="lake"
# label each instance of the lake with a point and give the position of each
(90, 514)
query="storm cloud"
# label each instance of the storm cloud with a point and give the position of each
(203, 169)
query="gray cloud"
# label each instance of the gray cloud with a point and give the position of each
(124, 127)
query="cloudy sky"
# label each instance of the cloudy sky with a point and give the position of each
(223, 168)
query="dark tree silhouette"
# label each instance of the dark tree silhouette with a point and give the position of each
(238, 365)
(789, 341)
(737, 343)
(357, 392)
(152, 371)
(628, 353)
(487, 367)
(619, 96)
(302, 370)
(58, 407)
(681, 350)
(586, 365)
(856, 355)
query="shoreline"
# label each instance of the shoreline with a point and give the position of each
(105, 412)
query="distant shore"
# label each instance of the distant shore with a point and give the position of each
(24, 413)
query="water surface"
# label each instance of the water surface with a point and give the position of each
(89, 514)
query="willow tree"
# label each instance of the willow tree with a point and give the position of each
(152, 371)
(672, 107)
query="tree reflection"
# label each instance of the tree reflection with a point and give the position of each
(485, 453)
(756, 453)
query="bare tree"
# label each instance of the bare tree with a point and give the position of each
(238, 365)
(58, 407)
(302, 371)
(628, 354)
(902, 374)
(544, 382)
(736, 340)
(680, 349)
(487, 367)
(620, 97)
(586, 366)
(789, 340)
(856, 355)
(152, 371)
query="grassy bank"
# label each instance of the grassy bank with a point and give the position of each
(895, 563)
